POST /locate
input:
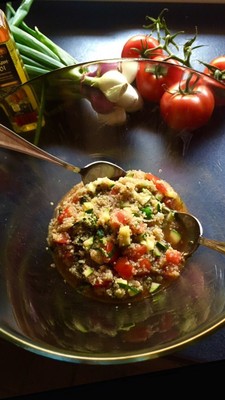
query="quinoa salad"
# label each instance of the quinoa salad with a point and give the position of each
(117, 240)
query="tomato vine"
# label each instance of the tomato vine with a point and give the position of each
(167, 40)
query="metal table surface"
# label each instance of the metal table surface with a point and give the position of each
(97, 30)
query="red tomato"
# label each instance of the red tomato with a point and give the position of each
(217, 71)
(173, 256)
(151, 177)
(135, 252)
(144, 266)
(118, 218)
(162, 186)
(105, 282)
(124, 268)
(187, 111)
(217, 63)
(153, 79)
(112, 252)
(64, 214)
(63, 238)
(141, 46)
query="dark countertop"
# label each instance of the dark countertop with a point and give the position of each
(97, 30)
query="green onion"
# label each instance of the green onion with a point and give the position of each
(22, 12)
(39, 53)
(30, 61)
(25, 38)
(38, 56)
(34, 71)
(65, 57)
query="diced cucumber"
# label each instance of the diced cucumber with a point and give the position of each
(159, 249)
(157, 252)
(87, 205)
(154, 287)
(161, 246)
(124, 235)
(88, 271)
(121, 281)
(88, 242)
(174, 236)
(131, 289)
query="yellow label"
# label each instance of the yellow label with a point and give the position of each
(21, 106)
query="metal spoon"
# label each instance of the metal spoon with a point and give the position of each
(97, 169)
(192, 232)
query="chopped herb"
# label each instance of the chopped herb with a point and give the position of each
(100, 233)
(147, 211)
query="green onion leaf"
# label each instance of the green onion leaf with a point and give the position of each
(25, 38)
(38, 56)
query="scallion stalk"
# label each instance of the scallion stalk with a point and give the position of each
(21, 12)
(39, 53)
(38, 56)
(34, 72)
(25, 38)
(65, 57)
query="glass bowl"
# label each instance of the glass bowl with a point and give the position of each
(39, 311)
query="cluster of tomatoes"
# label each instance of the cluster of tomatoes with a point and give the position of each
(186, 101)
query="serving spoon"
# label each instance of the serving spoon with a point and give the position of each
(97, 169)
(191, 226)
(192, 232)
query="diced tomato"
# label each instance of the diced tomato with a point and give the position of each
(63, 238)
(112, 252)
(67, 255)
(76, 198)
(170, 202)
(161, 185)
(135, 252)
(99, 282)
(151, 177)
(115, 190)
(124, 268)
(118, 218)
(173, 256)
(144, 265)
(64, 214)
(138, 229)
(171, 271)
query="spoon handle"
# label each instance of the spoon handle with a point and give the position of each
(213, 244)
(10, 140)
